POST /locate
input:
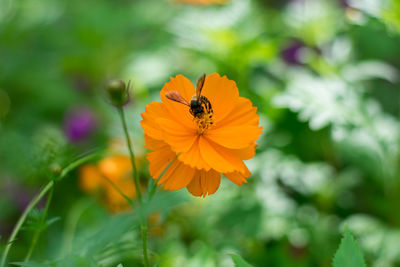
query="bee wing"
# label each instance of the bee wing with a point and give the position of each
(200, 84)
(177, 97)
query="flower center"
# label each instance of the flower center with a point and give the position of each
(201, 109)
(204, 121)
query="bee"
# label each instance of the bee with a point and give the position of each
(199, 105)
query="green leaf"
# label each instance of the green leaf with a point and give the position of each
(29, 264)
(239, 261)
(51, 221)
(348, 254)
(162, 201)
(106, 239)
(111, 231)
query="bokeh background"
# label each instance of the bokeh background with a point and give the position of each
(324, 75)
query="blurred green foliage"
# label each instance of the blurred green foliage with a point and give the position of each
(324, 75)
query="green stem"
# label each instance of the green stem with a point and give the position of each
(22, 219)
(143, 221)
(36, 200)
(143, 225)
(131, 154)
(39, 230)
(144, 241)
(119, 190)
(78, 162)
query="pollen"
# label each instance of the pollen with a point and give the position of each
(204, 122)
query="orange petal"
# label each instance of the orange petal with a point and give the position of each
(210, 182)
(237, 177)
(235, 137)
(246, 153)
(153, 144)
(153, 111)
(204, 183)
(179, 137)
(193, 158)
(168, 172)
(243, 113)
(177, 111)
(177, 176)
(159, 160)
(194, 187)
(222, 93)
(182, 85)
(219, 158)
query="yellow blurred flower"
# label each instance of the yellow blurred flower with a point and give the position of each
(118, 169)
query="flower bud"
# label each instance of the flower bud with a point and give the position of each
(55, 170)
(117, 92)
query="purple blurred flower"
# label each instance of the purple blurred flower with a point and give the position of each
(344, 3)
(79, 123)
(18, 194)
(81, 83)
(291, 54)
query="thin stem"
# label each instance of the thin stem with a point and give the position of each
(143, 221)
(154, 184)
(118, 190)
(131, 154)
(85, 158)
(143, 226)
(153, 187)
(22, 219)
(36, 200)
(144, 241)
(39, 230)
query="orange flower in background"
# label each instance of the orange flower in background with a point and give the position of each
(210, 131)
(116, 168)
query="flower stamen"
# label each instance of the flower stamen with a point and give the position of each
(204, 121)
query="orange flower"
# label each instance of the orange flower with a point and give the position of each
(208, 141)
(118, 169)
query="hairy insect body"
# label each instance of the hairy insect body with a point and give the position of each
(200, 106)
(202, 114)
